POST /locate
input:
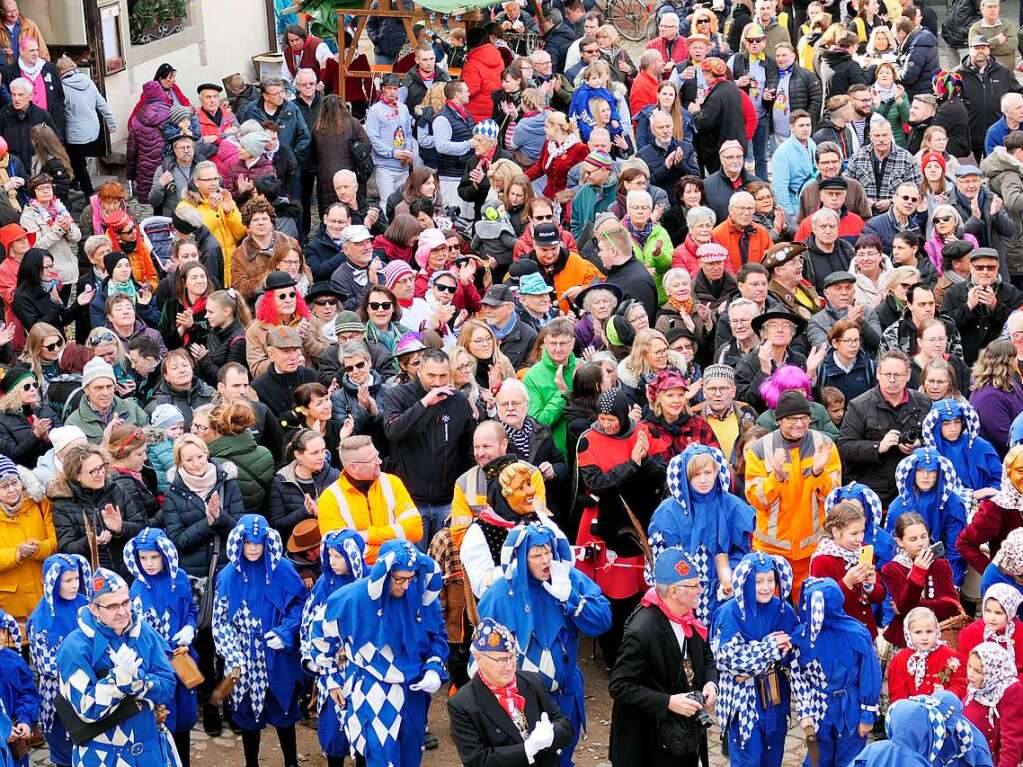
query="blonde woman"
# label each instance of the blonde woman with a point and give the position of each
(427, 109)
(501, 173)
(622, 67)
(492, 365)
(528, 136)
(463, 378)
(562, 151)
(649, 356)
(705, 22)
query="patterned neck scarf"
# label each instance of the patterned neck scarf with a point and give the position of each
(828, 548)
(640, 235)
(999, 672)
(917, 663)
(520, 437)
(509, 699)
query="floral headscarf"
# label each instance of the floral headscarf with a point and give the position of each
(999, 672)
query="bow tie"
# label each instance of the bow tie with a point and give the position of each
(757, 57)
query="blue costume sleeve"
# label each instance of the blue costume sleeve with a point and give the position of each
(739, 656)
(91, 698)
(24, 708)
(225, 637)
(741, 521)
(952, 524)
(325, 646)
(291, 622)
(586, 607)
(869, 687)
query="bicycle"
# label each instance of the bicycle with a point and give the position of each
(629, 17)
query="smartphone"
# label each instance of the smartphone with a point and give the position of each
(867, 555)
(938, 549)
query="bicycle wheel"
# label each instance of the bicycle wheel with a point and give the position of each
(629, 17)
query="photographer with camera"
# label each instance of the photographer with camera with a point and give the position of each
(665, 679)
(882, 426)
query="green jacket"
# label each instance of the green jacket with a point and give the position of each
(588, 202)
(896, 112)
(546, 402)
(255, 465)
(89, 421)
(660, 263)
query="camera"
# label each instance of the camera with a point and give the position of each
(909, 436)
(701, 716)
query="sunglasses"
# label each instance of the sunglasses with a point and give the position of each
(54, 346)
(286, 295)
(754, 40)
(29, 386)
(943, 219)
(986, 267)
(356, 366)
(447, 288)
(907, 198)
(549, 217)
(103, 338)
(380, 305)
(325, 302)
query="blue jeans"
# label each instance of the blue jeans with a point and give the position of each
(759, 146)
(434, 518)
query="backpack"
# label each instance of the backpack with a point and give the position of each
(362, 159)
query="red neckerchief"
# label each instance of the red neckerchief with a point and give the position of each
(198, 306)
(508, 697)
(687, 621)
(492, 519)
(485, 161)
(459, 109)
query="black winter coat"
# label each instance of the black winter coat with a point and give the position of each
(954, 117)
(749, 376)
(328, 366)
(140, 494)
(805, 93)
(417, 89)
(323, 255)
(223, 345)
(184, 517)
(718, 190)
(275, 390)
(982, 97)
(648, 671)
(839, 70)
(287, 499)
(486, 736)
(720, 119)
(33, 304)
(516, 345)
(556, 42)
(16, 128)
(17, 440)
(635, 282)
(918, 61)
(54, 95)
(979, 326)
(185, 401)
(73, 504)
(867, 419)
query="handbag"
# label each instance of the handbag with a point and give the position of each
(362, 159)
(81, 732)
(204, 619)
(679, 735)
(223, 690)
(185, 667)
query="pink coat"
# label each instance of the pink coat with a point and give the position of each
(145, 138)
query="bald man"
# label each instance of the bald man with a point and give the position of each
(1011, 119)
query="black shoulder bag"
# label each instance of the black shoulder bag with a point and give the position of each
(81, 732)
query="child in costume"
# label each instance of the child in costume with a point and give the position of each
(953, 429)
(838, 556)
(836, 676)
(67, 579)
(1007, 565)
(752, 644)
(927, 484)
(343, 558)
(595, 85)
(874, 532)
(162, 597)
(256, 620)
(702, 516)
(18, 691)
(916, 736)
(965, 745)
(389, 628)
(916, 578)
(998, 623)
(548, 605)
(926, 663)
(994, 699)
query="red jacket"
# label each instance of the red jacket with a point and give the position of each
(901, 683)
(679, 49)
(749, 114)
(557, 171)
(858, 602)
(644, 92)
(482, 73)
(990, 524)
(849, 227)
(1005, 735)
(907, 589)
(209, 128)
(973, 635)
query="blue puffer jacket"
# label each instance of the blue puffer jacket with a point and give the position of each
(529, 135)
(291, 128)
(918, 61)
(161, 458)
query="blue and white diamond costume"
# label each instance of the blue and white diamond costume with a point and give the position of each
(703, 524)
(52, 620)
(746, 653)
(916, 736)
(836, 677)
(351, 546)
(99, 668)
(546, 627)
(393, 644)
(166, 603)
(252, 600)
(18, 692)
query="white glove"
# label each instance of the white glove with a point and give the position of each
(540, 738)
(273, 641)
(184, 637)
(126, 664)
(560, 585)
(429, 684)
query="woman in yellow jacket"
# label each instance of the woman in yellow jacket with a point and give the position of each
(27, 538)
(789, 473)
(219, 212)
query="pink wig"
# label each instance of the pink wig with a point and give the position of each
(267, 311)
(786, 378)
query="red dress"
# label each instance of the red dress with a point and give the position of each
(909, 589)
(858, 602)
(557, 170)
(973, 635)
(1005, 734)
(991, 524)
(943, 669)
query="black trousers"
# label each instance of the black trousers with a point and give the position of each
(79, 155)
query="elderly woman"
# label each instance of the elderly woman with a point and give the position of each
(651, 243)
(700, 222)
(280, 306)
(250, 262)
(25, 420)
(55, 229)
(180, 386)
(597, 302)
(649, 356)
(776, 330)
(120, 281)
(27, 538)
(360, 393)
(680, 310)
(303, 479)
(91, 513)
(947, 226)
(561, 152)
(688, 195)
(482, 404)
(768, 213)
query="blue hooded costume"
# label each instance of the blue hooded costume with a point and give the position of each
(941, 506)
(253, 599)
(546, 628)
(916, 736)
(18, 692)
(836, 676)
(52, 620)
(745, 652)
(391, 644)
(350, 545)
(89, 681)
(975, 460)
(965, 745)
(704, 524)
(166, 603)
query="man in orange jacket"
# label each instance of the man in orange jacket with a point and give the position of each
(745, 240)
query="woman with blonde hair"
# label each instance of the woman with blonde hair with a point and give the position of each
(427, 109)
(705, 22)
(492, 365)
(648, 357)
(501, 173)
(50, 356)
(668, 100)
(622, 67)
(234, 445)
(938, 381)
(881, 47)
(482, 403)
(996, 392)
(562, 151)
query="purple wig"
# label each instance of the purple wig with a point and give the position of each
(786, 378)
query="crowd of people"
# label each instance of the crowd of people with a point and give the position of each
(714, 356)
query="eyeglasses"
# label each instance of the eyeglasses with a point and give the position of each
(500, 660)
(7, 484)
(446, 288)
(207, 180)
(850, 341)
(402, 579)
(985, 267)
(908, 198)
(116, 606)
(943, 219)
(284, 296)
(198, 428)
(325, 302)
(356, 366)
(891, 376)
(751, 40)
(99, 471)
(54, 346)
(379, 305)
